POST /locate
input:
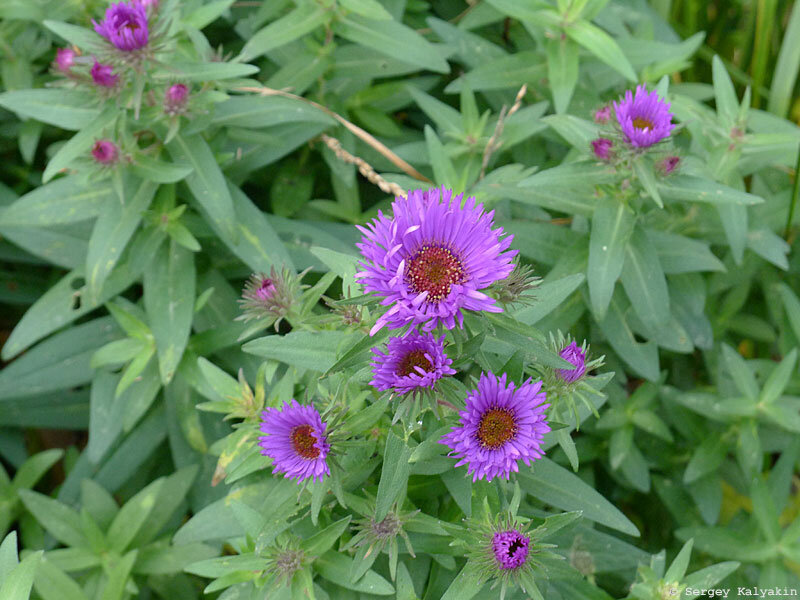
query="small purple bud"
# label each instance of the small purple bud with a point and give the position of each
(65, 58)
(602, 148)
(668, 165)
(105, 152)
(265, 290)
(125, 26)
(103, 75)
(510, 548)
(175, 98)
(574, 355)
(602, 115)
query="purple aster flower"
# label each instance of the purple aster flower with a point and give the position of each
(432, 258)
(602, 148)
(573, 354)
(125, 26)
(668, 165)
(644, 118)
(411, 362)
(502, 424)
(510, 548)
(105, 152)
(295, 441)
(175, 98)
(103, 75)
(65, 58)
(602, 115)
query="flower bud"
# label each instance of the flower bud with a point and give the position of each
(602, 148)
(574, 355)
(65, 58)
(668, 165)
(125, 26)
(602, 115)
(105, 152)
(103, 75)
(175, 98)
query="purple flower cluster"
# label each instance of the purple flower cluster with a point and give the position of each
(502, 424)
(125, 26)
(295, 440)
(432, 259)
(409, 363)
(644, 118)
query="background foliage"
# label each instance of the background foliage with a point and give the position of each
(122, 354)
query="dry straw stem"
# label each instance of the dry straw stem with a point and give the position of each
(493, 144)
(363, 166)
(355, 129)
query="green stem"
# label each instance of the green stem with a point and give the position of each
(795, 194)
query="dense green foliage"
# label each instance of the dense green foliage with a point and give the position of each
(672, 466)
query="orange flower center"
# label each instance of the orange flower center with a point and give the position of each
(497, 426)
(415, 358)
(304, 442)
(434, 269)
(642, 123)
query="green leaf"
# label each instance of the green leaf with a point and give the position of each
(644, 281)
(678, 567)
(776, 383)
(602, 45)
(707, 457)
(66, 200)
(296, 24)
(81, 37)
(680, 254)
(503, 73)
(740, 371)
(81, 143)
(787, 67)
(132, 516)
(159, 171)
(443, 171)
(118, 577)
(206, 181)
(645, 175)
(394, 475)
(65, 108)
(322, 541)
(113, 230)
(709, 577)
(724, 93)
(59, 520)
(17, 584)
(206, 13)
(211, 71)
(643, 358)
(54, 584)
(335, 567)
(465, 586)
(612, 226)
(697, 189)
(446, 118)
(548, 297)
(393, 39)
(254, 112)
(169, 294)
(367, 8)
(316, 351)
(562, 70)
(558, 487)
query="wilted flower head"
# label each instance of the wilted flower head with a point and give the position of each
(645, 118)
(284, 559)
(295, 440)
(602, 115)
(175, 98)
(668, 165)
(105, 152)
(125, 26)
(432, 258)
(502, 424)
(268, 297)
(410, 363)
(514, 288)
(65, 58)
(575, 355)
(103, 75)
(602, 148)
